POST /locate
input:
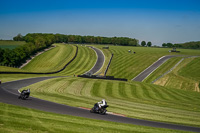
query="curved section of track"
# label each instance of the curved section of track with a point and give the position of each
(9, 94)
(99, 62)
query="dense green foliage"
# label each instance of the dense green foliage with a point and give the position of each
(133, 99)
(190, 45)
(149, 44)
(143, 43)
(25, 120)
(59, 38)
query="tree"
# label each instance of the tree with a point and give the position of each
(1, 53)
(149, 44)
(169, 45)
(164, 45)
(143, 43)
(19, 37)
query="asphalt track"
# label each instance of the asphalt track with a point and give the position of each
(99, 62)
(151, 68)
(9, 94)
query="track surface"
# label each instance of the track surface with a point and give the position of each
(99, 62)
(9, 94)
(152, 68)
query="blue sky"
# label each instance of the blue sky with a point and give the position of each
(149, 20)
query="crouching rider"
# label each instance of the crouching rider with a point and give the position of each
(102, 103)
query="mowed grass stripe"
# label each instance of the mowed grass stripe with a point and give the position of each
(191, 70)
(52, 60)
(84, 61)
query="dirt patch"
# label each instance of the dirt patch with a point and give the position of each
(196, 87)
(162, 81)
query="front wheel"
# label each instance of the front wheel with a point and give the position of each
(102, 111)
(92, 110)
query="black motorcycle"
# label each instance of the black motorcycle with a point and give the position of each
(24, 94)
(101, 110)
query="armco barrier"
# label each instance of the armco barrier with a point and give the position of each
(99, 77)
(46, 72)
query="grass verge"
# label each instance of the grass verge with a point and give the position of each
(19, 119)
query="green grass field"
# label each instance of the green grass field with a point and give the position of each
(52, 60)
(20, 120)
(134, 99)
(173, 100)
(56, 58)
(84, 61)
(10, 44)
(185, 76)
(191, 70)
(128, 65)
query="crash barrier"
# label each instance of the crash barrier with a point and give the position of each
(44, 72)
(101, 77)
(108, 65)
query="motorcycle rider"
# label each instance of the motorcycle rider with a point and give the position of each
(24, 93)
(102, 103)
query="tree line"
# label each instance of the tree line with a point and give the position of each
(38, 41)
(187, 45)
(59, 38)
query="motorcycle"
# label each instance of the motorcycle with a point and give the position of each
(24, 94)
(101, 110)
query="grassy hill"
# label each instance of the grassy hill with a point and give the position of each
(191, 70)
(128, 65)
(185, 76)
(134, 99)
(84, 61)
(52, 60)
